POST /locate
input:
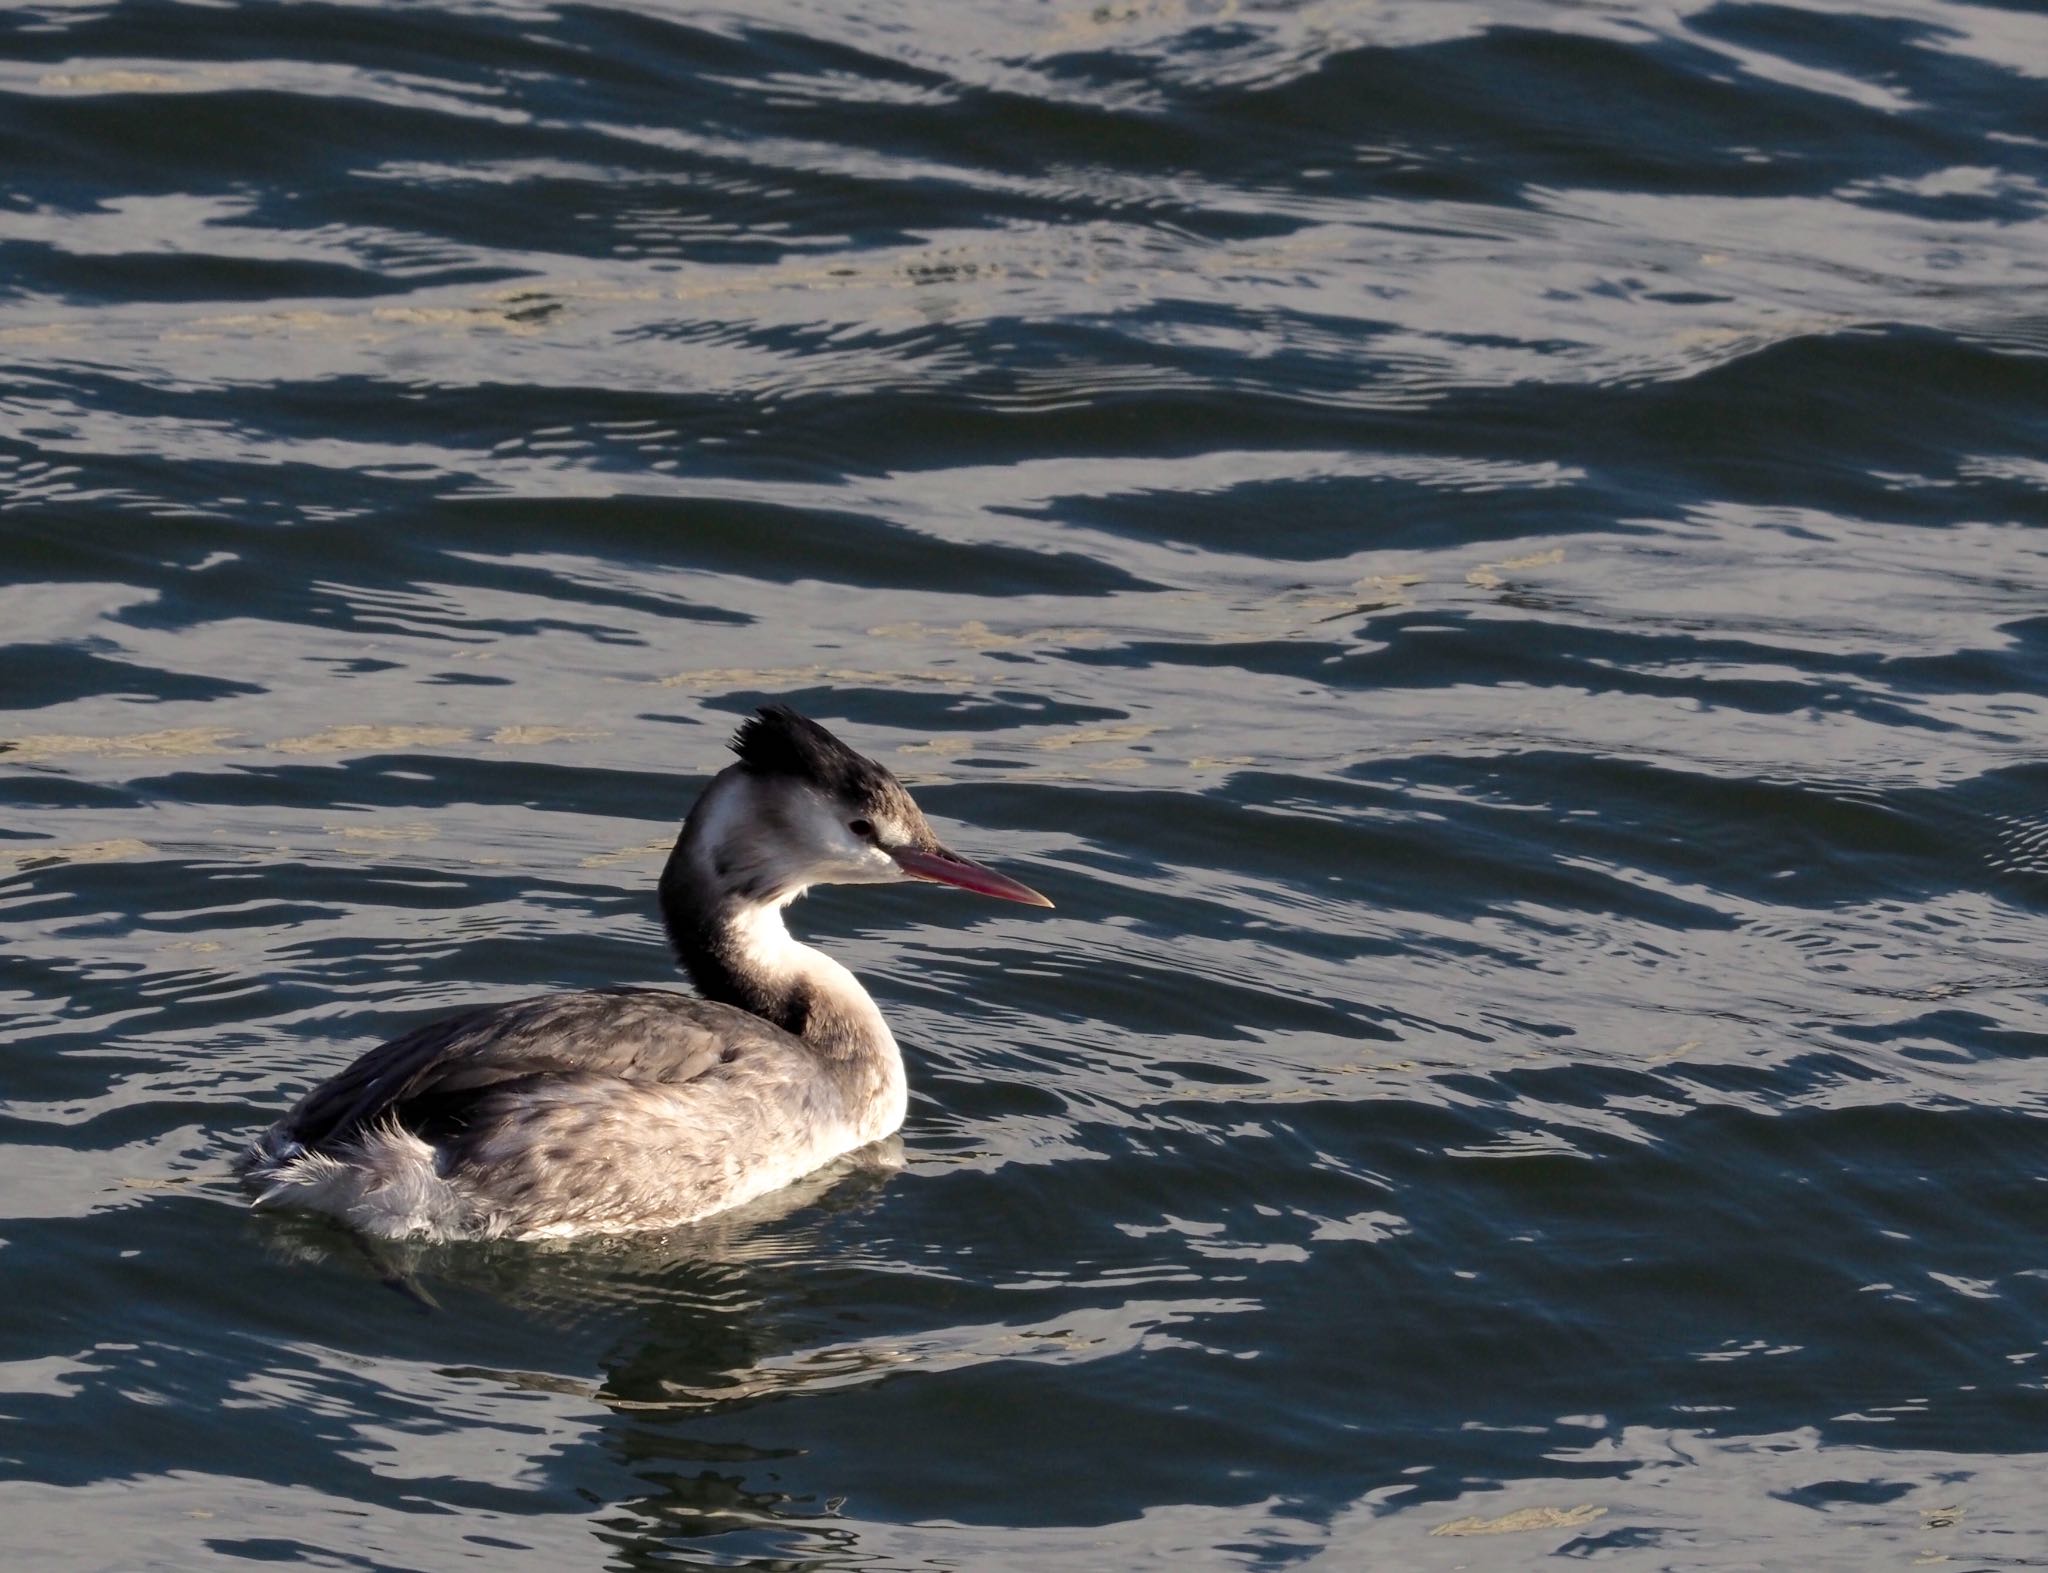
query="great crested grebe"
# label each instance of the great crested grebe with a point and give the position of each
(640, 1108)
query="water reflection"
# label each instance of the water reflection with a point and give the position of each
(575, 1282)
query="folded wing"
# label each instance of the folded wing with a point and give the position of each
(431, 1081)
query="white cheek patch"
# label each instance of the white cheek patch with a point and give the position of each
(723, 810)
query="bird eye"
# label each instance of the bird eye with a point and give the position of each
(864, 828)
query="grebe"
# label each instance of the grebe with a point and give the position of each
(640, 1108)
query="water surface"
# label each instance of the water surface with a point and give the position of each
(1490, 558)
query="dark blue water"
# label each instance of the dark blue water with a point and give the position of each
(1490, 557)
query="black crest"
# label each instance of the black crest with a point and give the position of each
(779, 742)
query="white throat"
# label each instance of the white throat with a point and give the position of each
(764, 942)
(843, 1021)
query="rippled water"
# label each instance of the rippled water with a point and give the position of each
(1489, 556)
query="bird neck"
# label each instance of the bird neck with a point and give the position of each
(738, 951)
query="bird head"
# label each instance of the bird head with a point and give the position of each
(801, 808)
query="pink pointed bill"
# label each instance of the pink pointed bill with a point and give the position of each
(947, 869)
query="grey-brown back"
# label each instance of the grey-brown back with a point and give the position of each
(433, 1080)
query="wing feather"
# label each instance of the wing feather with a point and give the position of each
(430, 1080)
